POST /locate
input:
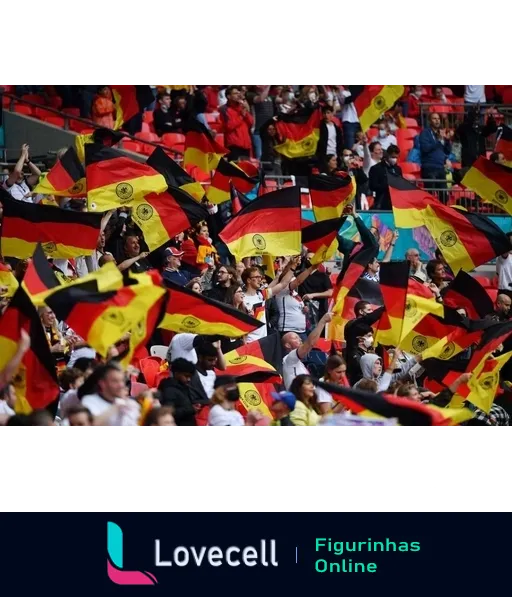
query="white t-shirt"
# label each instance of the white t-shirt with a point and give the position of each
(292, 367)
(257, 304)
(5, 409)
(98, 406)
(208, 381)
(291, 312)
(332, 145)
(504, 269)
(323, 397)
(220, 417)
(18, 191)
(385, 141)
(474, 94)
(81, 353)
(349, 112)
(182, 347)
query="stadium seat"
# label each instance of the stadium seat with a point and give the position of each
(42, 113)
(147, 117)
(56, 121)
(405, 135)
(146, 128)
(410, 177)
(411, 123)
(448, 92)
(219, 138)
(72, 111)
(174, 141)
(148, 137)
(21, 109)
(146, 149)
(132, 146)
(405, 148)
(410, 168)
(76, 125)
(35, 98)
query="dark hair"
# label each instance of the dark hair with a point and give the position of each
(404, 390)
(439, 254)
(68, 377)
(392, 150)
(232, 88)
(40, 418)
(90, 385)
(296, 388)
(372, 146)
(230, 297)
(156, 414)
(5, 390)
(326, 109)
(183, 366)
(162, 95)
(431, 267)
(359, 307)
(495, 156)
(18, 421)
(206, 349)
(78, 410)
(333, 362)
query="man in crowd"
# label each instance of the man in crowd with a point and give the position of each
(17, 184)
(237, 122)
(417, 269)
(502, 309)
(131, 251)
(435, 147)
(169, 118)
(373, 155)
(264, 109)
(209, 357)
(172, 270)
(226, 277)
(331, 137)
(379, 178)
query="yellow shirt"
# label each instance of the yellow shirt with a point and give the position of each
(303, 416)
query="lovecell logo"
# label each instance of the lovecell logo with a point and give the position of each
(166, 556)
(115, 563)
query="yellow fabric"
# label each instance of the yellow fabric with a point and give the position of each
(272, 243)
(303, 416)
(488, 189)
(252, 400)
(300, 149)
(116, 195)
(381, 104)
(204, 161)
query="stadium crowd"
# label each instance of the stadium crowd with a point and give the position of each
(188, 379)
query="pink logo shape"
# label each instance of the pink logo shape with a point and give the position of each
(115, 570)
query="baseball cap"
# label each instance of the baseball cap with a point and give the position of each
(174, 252)
(287, 398)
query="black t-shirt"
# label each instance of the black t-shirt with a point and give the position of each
(317, 283)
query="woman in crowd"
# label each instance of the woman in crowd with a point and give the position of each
(335, 374)
(305, 414)
(199, 252)
(195, 286)
(225, 399)
(103, 108)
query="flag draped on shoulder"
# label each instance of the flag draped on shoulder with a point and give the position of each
(201, 149)
(64, 234)
(243, 176)
(322, 240)
(161, 216)
(66, 178)
(299, 133)
(465, 292)
(174, 174)
(115, 180)
(270, 225)
(504, 144)
(374, 101)
(189, 312)
(407, 412)
(466, 240)
(130, 100)
(102, 319)
(36, 379)
(394, 284)
(330, 195)
(492, 182)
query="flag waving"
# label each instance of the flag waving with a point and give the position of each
(201, 149)
(299, 133)
(174, 174)
(243, 176)
(330, 195)
(492, 182)
(322, 240)
(374, 101)
(66, 178)
(130, 100)
(189, 312)
(270, 225)
(504, 144)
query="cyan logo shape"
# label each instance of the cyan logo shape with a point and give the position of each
(115, 563)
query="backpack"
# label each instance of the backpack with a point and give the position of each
(316, 362)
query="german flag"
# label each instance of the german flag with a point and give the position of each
(466, 240)
(36, 380)
(257, 362)
(103, 136)
(351, 278)
(420, 302)
(8, 280)
(464, 292)
(504, 143)
(299, 133)
(492, 182)
(130, 100)
(64, 234)
(483, 386)
(189, 312)
(374, 101)
(321, 239)
(244, 177)
(438, 338)
(161, 216)
(201, 149)
(492, 339)
(407, 412)
(238, 201)
(270, 225)
(256, 396)
(394, 284)
(330, 195)
(103, 318)
(65, 179)
(174, 174)
(114, 180)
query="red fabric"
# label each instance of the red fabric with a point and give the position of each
(505, 92)
(190, 256)
(212, 97)
(202, 417)
(414, 107)
(236, 128)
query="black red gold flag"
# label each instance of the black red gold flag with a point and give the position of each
(465, 292)
(374, 101)
(201, 149)
(321, 239)
(174, 174)
(298, 133)
(492, 182)
(244, 176)
(330, 195)
(394, 285)
(130, 100)
(66, 178)
(504, 143)
(257, 397)
(257, 362)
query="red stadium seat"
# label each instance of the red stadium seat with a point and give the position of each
(21, 109)
(146, 149)
(76, 125)
(410, 168)
(219, 138)
(448, 92)
(411, 123)
(148, 137)
(146, 128)
(405, 148)
(174, 141)
(72, 111)
(35, 98)
(411, 177)
(56, 121)
(132, 146)
(42, 114)
(214, 117)
(405, 135)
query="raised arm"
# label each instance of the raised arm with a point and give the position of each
(12, 366)
(389, 253)
(14, 176)
(313, 338)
